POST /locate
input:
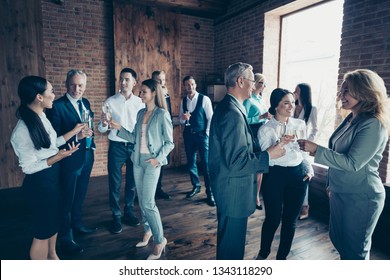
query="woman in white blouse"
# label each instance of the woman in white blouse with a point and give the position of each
(285, 184)
(304, 110)
(35, 143)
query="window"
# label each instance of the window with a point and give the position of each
(309, 53)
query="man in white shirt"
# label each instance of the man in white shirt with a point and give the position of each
(124, 107)
(196, 112)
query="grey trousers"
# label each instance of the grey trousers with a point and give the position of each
(146, 177)
(353, 218)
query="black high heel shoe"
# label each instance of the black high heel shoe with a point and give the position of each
(259, 207)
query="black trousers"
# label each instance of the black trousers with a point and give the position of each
(197, 142)
(231, 236)
(74, 186)
(283, 193)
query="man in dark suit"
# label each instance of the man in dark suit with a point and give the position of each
(75, 171)
(233, 164)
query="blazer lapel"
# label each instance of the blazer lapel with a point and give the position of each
(71, 108)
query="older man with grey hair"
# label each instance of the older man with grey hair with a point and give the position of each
(233, 164)
(75, 171)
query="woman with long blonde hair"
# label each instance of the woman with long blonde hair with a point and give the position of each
(356, 193)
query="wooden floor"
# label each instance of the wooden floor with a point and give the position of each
(189, 225)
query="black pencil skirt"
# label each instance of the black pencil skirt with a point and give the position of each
(41, 191)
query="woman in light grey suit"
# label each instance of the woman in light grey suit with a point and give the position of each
(153, 141)
(356, 193)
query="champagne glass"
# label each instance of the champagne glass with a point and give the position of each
(188, 121)
(290, 135)
(85, 117)
(107, 112)
(299, 134)
(280, 131)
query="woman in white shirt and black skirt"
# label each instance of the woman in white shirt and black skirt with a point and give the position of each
(35, 143)
(284, 186)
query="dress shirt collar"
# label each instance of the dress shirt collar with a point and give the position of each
(73, 100)
(131, 95)
(194, 98)
(240, 106)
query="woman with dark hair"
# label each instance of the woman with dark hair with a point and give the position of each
(285, 184)
(35, 143)
(304, 110)
(153, 140)
(355, 189)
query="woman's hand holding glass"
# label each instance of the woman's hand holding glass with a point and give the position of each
(308, 146)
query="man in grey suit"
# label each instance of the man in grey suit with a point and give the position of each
(233, 164)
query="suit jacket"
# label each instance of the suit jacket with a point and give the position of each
(64, 117)
(159, 136)
(232, 163)
(353, 158)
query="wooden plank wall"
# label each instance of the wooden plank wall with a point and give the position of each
(21, 54)
(147, 39)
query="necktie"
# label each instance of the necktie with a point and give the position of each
(81, 109)
(88, 140)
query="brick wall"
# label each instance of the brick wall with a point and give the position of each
(197, 55)
(365, 43)
(78, 34)
(197, 49)
(365, 40)
(239, 34)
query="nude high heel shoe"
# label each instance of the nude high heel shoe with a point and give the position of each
(145, 240)
(156, 257)
(304, 212)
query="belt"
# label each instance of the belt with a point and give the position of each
(122, 143)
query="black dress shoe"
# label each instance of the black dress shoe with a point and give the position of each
(69, 247)
(131, 220)
(161, 194)
(116, 226)
(194, 191)
(84, 230)
(210, 200)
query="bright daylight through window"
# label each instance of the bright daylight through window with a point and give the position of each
(310, 51)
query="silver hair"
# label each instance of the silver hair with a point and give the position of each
(74, 72)
(234, 71)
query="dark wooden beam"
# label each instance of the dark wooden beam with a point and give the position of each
(200, 8)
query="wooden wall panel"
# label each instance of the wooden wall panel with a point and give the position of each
(21, 54)
(147, 39)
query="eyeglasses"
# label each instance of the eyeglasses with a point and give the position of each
(253, 81)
